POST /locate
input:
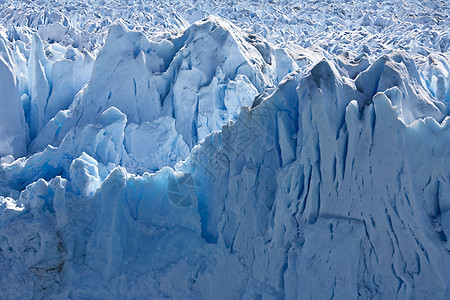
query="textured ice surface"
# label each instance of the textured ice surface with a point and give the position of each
(224, 149)
(13, 132)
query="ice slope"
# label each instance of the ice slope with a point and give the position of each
(328, 182)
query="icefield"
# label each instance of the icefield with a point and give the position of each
(224, 149)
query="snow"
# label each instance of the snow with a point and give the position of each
(224, 149)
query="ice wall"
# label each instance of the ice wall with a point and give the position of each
(212, 163)
(14, 131)
(316, 191)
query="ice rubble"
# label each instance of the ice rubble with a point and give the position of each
(334, 25)
(333, 184)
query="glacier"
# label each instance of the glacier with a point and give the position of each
(224, 150)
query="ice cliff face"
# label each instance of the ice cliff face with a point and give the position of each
(214, 164)
(350, 182)
(13, 132)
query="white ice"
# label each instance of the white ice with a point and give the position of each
(224, 149)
